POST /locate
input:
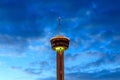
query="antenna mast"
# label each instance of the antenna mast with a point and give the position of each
(59, 25)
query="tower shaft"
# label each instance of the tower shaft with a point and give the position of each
(60, 65)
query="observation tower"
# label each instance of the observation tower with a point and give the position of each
(60, 44)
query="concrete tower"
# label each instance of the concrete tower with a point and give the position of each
(60, 44)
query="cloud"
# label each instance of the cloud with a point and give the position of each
(49, 78)
(92, 61)
(44, 65)
(16, 68)
(20, 46)
(93, 76)
(15, 46)
(33, 71)
(88, 76)
(39, 68)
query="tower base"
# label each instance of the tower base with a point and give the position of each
(60, 65)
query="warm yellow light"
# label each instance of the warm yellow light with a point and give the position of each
(59, 49)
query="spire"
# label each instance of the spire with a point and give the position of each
(59, 25)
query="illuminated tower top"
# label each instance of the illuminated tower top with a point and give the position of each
(59, 42)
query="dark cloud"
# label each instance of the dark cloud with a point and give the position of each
(33, 71)
(103, 75)
(106, 59)
(26, 18)
(16, 67)
(49, 78)
(37, 68)
(41, 64)
(17, 20)
(96, 61)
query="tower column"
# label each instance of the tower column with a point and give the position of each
(60, 65)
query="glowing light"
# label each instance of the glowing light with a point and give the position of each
(59, 49)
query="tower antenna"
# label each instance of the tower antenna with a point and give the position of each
(59, 25)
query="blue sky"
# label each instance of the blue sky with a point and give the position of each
(26, 27)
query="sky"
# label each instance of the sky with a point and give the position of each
(26, 27)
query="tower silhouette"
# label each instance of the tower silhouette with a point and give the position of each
(60, 44)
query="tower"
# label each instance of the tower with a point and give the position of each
(60, 44)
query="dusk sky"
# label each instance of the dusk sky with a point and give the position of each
(26, 27)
